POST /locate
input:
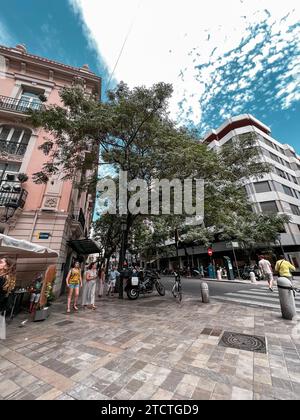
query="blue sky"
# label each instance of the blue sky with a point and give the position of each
(223, 58)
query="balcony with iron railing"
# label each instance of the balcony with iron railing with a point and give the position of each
(12, 194)
(19, 105)
(13, 148)
(78, 217)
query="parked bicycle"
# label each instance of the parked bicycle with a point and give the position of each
(177, 288)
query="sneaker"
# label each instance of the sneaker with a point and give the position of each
(271, 289)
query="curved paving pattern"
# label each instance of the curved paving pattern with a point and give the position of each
(149, 350)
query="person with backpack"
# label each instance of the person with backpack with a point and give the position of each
(284, 268)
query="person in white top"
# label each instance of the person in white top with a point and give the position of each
(266, 268)
(91, 282)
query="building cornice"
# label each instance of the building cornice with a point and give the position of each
(17, 54)
(234, 123)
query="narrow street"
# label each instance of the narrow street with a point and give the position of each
(234, 292)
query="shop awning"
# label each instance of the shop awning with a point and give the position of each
(12, 247)
(85, 246)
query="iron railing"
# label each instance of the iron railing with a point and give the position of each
(13, 148)
(19, 105)
(12, 194)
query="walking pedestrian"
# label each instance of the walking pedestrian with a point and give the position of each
(267, 271)
(91, 283)
(102, 275)
(284, 268)
(112, 279)
(74, 282)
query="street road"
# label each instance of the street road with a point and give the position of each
(244, 294)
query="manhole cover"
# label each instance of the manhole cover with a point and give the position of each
(244, 342)
(64, 323)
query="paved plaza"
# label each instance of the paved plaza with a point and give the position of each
(153, 348)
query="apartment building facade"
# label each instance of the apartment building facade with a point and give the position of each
(279, 190)
(56, 214)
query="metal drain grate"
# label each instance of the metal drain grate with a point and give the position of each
(245, 342)
(64, 323)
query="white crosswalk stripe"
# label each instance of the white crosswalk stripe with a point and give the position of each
(256, 297)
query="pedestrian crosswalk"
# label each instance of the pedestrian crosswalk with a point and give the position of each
(261, 297)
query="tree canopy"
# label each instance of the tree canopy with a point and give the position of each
(133, 132)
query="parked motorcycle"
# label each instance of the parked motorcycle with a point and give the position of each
(144, 284)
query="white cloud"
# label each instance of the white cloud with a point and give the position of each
(6, 38)
(171, 36)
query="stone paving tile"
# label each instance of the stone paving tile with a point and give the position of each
(8, 387)
(282, 384)
(241, 394)
(185, 390)
(81, 392)
(172, 381)
(112, 353)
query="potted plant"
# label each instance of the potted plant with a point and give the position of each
(41, 314)
(22, 178)
(50, 294)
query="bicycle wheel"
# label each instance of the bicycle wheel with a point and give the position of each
(160, 288)
(179, 295)
(174, 291)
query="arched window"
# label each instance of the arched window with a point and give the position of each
(14, 140)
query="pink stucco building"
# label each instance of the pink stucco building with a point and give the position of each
(54, 214)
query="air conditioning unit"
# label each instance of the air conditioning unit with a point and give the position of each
(10, 177)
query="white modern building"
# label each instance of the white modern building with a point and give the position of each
(278, 191)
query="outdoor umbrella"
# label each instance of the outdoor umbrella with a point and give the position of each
(23, 249)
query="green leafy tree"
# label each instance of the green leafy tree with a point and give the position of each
(134, 132)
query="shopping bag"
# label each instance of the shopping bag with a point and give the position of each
(2, 327)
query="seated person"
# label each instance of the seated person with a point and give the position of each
(35, 292)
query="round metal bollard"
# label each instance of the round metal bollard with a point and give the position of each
(287, 298)
(219, 274)
(252, 277)
(205, 292)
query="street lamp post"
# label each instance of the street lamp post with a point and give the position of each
(122, 259)
(280, 243)
(177, 249)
